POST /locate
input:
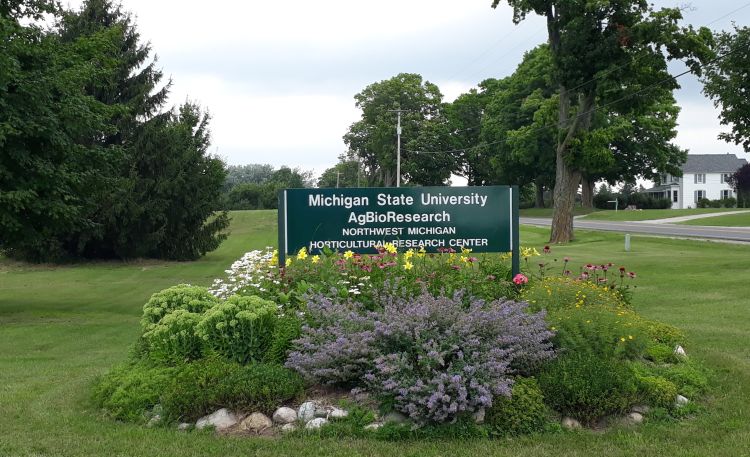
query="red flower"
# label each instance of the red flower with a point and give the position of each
(546, 249)
(631, 275)
(520, 279)
(622, 269)
(455, 267)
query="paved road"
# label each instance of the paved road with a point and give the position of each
(681, 231)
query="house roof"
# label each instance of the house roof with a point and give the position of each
(712, 163)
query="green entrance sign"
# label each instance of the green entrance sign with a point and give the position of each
(483, 219)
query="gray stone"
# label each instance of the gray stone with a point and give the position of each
(306, 411)
(288, 428)
(395, 417)
(479, 416)
(316, 423)
(220, 420)
(337, 413)
(321, 412)
(184, 426)
(256, 422)
(284, 415)
(681, 401)
(642, 409)
(570, 424)
(634, 418)
(155, 420)
(680, 351)
(373, 426)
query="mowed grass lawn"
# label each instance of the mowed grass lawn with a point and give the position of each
(730, 220)
(60, 327)
(651, 214)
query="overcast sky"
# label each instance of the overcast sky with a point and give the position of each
(279, 77)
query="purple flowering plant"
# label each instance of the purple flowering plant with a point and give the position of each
(430, 357)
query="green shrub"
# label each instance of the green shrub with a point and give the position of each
(554, 293)
(690, 378)
(173, 339)
(660, 353)
(463, 428)
(588, 387)
(190, 298)
(602, 332)
(288, 329)
(664, 333)
(203, 386)
(657, 391)
(240, 328)
(523, 413)
(129, 390)
(729, 202)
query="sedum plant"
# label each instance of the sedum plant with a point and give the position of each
(240, 328)
(184, 296)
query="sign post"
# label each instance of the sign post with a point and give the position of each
(483, 219)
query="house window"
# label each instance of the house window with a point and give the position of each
(699, 194)
(725, 177)
(700, 178)
(726, 193)
(674, 196)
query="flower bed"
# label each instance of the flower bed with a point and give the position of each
(448, 342)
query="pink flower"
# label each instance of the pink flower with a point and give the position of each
(520, 279)
(566, 259)
(546, 249)
(455, 267)
(585, 275)
(590, 267)
(567, 272)
(473, 259)
(602, 280)
(631, 275)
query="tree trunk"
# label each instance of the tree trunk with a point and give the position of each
(566, 188)
(587, 193)
(567, 179)
(539, 195)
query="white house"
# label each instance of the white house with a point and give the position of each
(703, 176)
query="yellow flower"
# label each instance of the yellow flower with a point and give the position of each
(409, 254)
(630, 337)
(390, 248)
(408, 266)
(622, 339)
(422, 251)
(465, 250)
(302, 254)
(315, 259)
(288, 261)
(464, 259)
(348, 254)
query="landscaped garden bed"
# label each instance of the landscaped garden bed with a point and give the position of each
(402, 344)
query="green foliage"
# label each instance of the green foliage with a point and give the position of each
(657, 391)
(188, 391)
(193, 299)
(523, 413)
(660, 353)
(373, 137)
(287, 329)
(346, 173)
(598, 331)
(463, 428)
(240, 328)
(557, 293)
(691, 378)
(726, 83)
(351, 426)
(88, 167)
(663, 333)
(258, 188)
(128, 391)
(588, 387)
(173, 338)
(203, 386)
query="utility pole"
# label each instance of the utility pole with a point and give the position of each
(398, 143)
(338, 175)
